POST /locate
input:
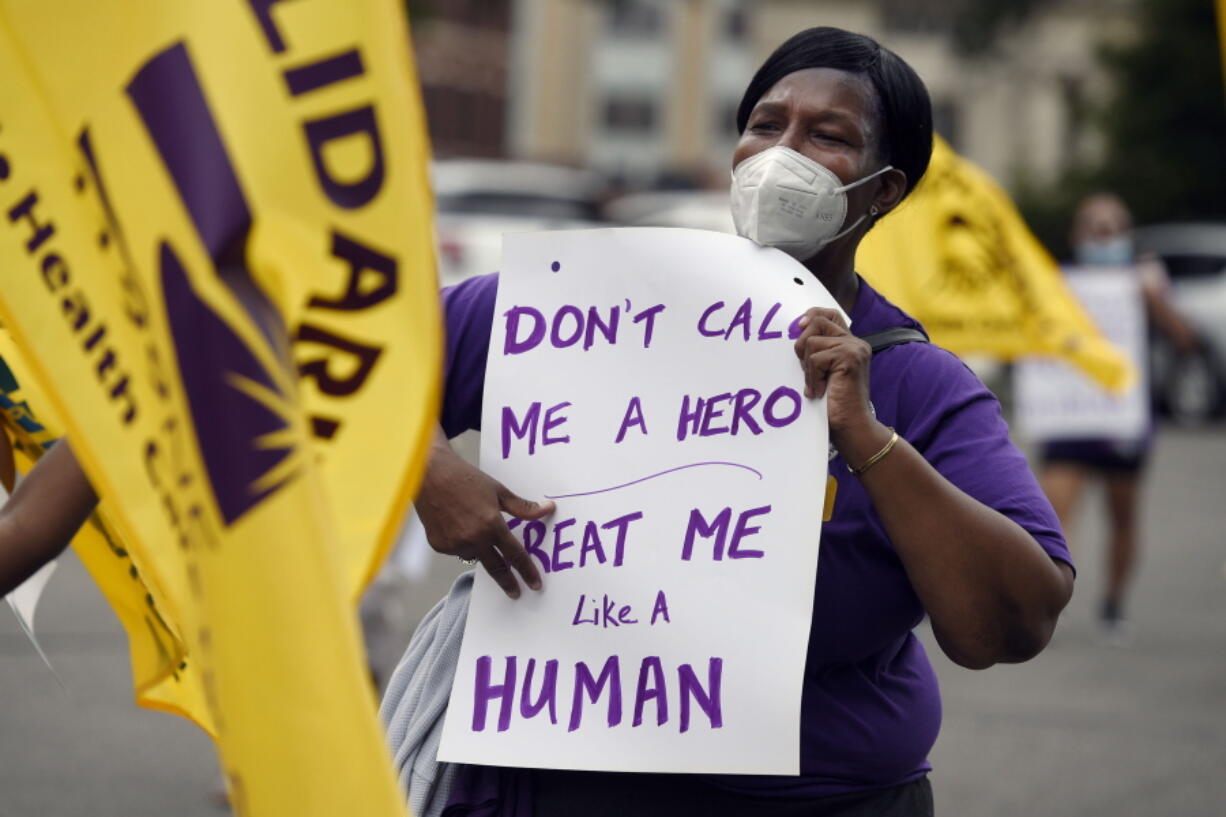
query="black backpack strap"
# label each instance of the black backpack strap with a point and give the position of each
(893, 336)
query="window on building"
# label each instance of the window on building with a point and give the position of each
(1077, 119)
(736, 23)
(725, 118)
(629, 114)
(495, 14)
(636, 17)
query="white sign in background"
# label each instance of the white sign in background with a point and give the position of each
(645, 379)
(1056, 401)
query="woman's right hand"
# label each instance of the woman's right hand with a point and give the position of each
(461, 509)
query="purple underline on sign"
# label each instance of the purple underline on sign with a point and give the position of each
(653, 476)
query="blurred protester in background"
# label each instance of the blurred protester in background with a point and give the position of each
(1102, 237)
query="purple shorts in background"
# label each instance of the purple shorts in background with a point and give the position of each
(1116, 456)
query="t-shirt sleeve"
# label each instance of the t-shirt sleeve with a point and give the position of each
(468, 315)
(951, 418)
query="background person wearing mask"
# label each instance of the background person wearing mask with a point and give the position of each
(1102, 237)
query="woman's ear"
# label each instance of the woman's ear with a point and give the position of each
(893, 187)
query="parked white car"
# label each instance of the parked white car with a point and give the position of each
(698, 210)
(478, 200)
(1192, 389)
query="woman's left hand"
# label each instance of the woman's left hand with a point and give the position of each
(836, 364)
(990, 590)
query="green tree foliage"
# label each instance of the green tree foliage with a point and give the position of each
(1164, 127)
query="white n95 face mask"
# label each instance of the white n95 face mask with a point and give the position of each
(783, 199)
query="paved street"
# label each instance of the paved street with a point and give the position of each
(1085, 729)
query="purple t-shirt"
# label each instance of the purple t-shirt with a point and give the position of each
(871, 708)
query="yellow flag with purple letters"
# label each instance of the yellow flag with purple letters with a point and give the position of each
(215, 229)
(959, 257)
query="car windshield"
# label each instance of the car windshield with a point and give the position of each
(1187, 250)
(1194, 266)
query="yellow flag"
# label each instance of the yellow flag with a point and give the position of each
(958, 256)
(218, 263)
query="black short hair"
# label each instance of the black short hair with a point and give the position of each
(903, 103)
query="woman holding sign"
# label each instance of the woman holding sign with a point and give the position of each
(935, 512)
(1102, 239)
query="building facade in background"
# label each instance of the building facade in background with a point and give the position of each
(646, 90)
(642, 90)
(461, 47)
(1020, 109)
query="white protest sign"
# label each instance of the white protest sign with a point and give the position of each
(1055, 401)
(644, 378)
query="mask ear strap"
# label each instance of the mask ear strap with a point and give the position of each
(856, 223)
(867, 178)
(839, 235)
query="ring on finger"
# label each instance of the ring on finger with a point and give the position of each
(467, 562)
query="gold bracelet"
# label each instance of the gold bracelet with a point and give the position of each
(876, 458)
